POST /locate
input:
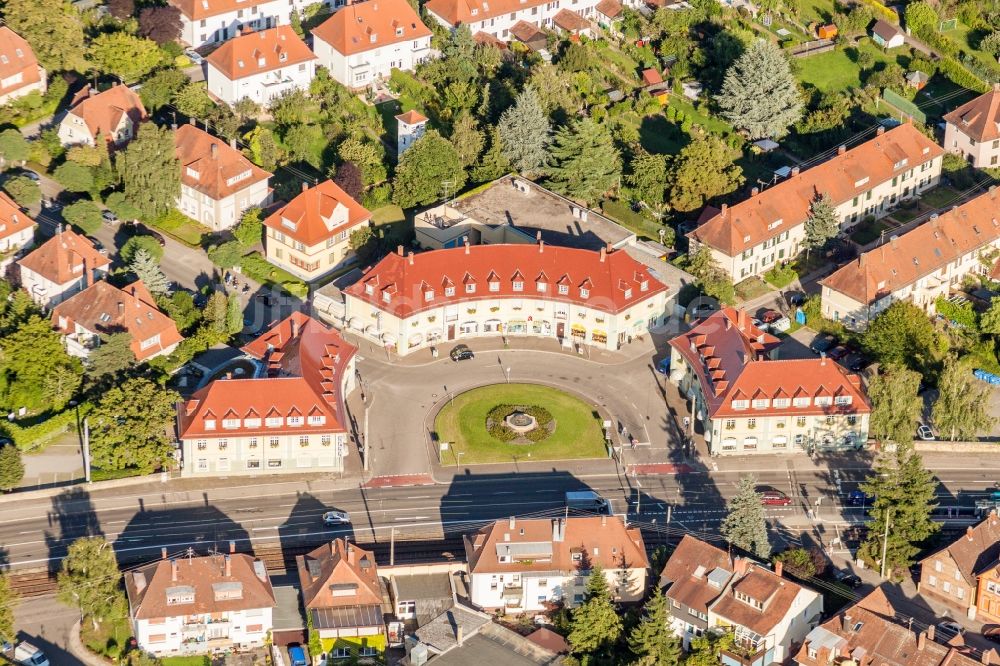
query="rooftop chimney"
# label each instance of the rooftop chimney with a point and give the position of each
(930, 632)
(511, 522)
(741, 320)
(725, 208)
(467, 245)
(173, 571)
(163, 553)
(969, 533)
(846, 623)
(993, 191)
(604, 253)
(538, 235)
(121, 308)
(229, 566)
(411, 258)
(880, 131)
(88, 275)
(558, 530)
(795, 171)
(232, 144)
(922, 636)
(305, 186)
(350, 553)
(399, 250)
(459, 635)
(754, 191)
(740, 566)
(841, 150)
(541, 246)
(604, 521)
(232, 546)
(193, 121)
(215, 150)
(779, 567)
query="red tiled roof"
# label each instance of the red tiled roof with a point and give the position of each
(199, 9)
(456, 12)
(685, 576)
(777, 594)
(105, 309)
(787, 204)
(549, 640)
(16, 57)
(486, 38)
(729, 354)
(103, 112)
(411, 117)
(338, 564)
(613, 281)
(62, 258)
(258, 52)
(978, 118)
(570, 21)
(306, 362)
(527, 32)
(609, 8)
(920, 252)
(210, 166)
(12, 219)
(651, 77)
(317, 214)
(373, 24)
(976, 550)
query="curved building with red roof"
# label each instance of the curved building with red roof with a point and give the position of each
(573, 295)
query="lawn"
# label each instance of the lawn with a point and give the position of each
(710, 123)
(836, 70)
(258, 268)
(388, 214)
(815, 11)
(193, 660)
(866, 233)
(939, 197)
(462, 423)
(109, 639)
(637, 223)
(751, 288)
(178, 225)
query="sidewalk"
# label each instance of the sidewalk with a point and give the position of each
(77, 649)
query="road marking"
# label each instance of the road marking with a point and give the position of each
(504, 492)
(418, 497)
(412, 518)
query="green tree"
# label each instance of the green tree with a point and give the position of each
(246, 109)
(262, 148)
(368, 157)
(150, 171)
(596, 623)
(75, 177)
(705, 649)
(649, 640)
(904, 493)
(361, 241)
(11, 473)
(921, 17)
(429, 168)
(467, 139)
(112, 356)
(712, 278)
(801, 562)
(989, 321)
(822, 223)
(586, 162)
(8, 603)
(759, 94)
(744, 525)
(226, 255)
(54, 30)
(193, 101)
(23, 190)
(251, 227)
(180, 307)
(702, 170)
(493, 163)
(991, 44)
(13, 146)
(216, 311)
(159, 89)
(147, 269)
(234, 315)
(647, 179)
(896, 405)
(37, 371)
(903, 335)
(89, 579)
(524, 132)
(140, 242)
(124, 55)
(962, 407)
(130, 426)
(84, 215)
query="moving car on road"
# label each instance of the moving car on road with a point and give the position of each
(772, 496)
(588, 500)
(859, 498)
(462, 353)
(334, 518)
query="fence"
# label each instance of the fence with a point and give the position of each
(904, 105)
(814, 47)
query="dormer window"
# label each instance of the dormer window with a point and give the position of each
(518, 285)
(740, 404)
(370, 289)
(317, 420)
(644, 285)
(900, 164)
(209, 424)
(781, 403)
(801, 402)
(294, 420)
(273, 421)
(429, 295)
(584, 292)
(449, 291)
(261, 62)
(386, 297)
(842, 400)
(475, 12)
(823, 401)
(563, 289)
(282, 57)
(541, 287)
(251, 423)
(230, 423)
(373, 38)
(628, 293)
(288, 224)
(495, 285)
(399, 32)
(470, 288)
(749, 600)
(761, 403)
(863, 181)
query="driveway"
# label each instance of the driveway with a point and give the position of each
(59, 463)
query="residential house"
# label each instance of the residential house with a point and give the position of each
(114, 114)
(887, 35)
(287, 416)
(749, 402)
(521, 566)
(410, 126)
(828, 31)
(260, 66)
(207, 22)
(572, 295)
(310, 235)
(973, 130)
(363, 42)
(917, 80)
(710, 590)
(951, 575)
(343, 595)
(218, 182)
(572, 23)
(872, 633)
(609, 14)
(103, 309)
(20, 73)
(920, 266)
(499, 18)
(195, 605)
(64, 265)
(461, 636)
(17, 230)
(869, 180)
(529, 34)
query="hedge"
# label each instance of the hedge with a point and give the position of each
(961, 76)
(37, 435)
(882, 10)
(257, 268)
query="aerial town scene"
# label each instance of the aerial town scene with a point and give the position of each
(500, 332)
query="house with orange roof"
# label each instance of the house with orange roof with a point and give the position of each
(520, 566)
(218, 182)
(114, 114)
(62, 266)
(572, 295)
(343, 595)
(497, 18)
(310, 235)
(973, 130)
(747, 401)
(289, 416)
(870, 180)
(363, 42)
(20, 73)
(410, 126)
(206, 22)
(103, 309)
(17, 230)
(260, 66)
(919, 266)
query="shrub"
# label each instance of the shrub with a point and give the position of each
(24, 191)
(780, 276)
(85, 215)
(497, 428)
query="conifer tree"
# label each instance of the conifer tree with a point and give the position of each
(822, 223)
(596, 624)
(759, 93)
(650, 640)
(147, 270)
(587, 164)
(745, 526)
(524, 132)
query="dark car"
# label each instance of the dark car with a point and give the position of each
(838, 352)
(663, 367)
(462, 353)
(845, 577)
(991, 632)
(140, 229)
(772, 496)
(822, 342)
(947, 629)
(854, 361)
(98, 245)
(794, 298)
(109, 217)
(859, 498)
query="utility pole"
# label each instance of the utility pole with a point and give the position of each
(392, 546)
(885, 537)
(86, 450)
(364, 441)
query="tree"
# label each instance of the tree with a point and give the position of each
(248, 232)
(649, 640)
(193, 101)
(903, 335)
(234, 315)
(124, 55)
(596, 624)
(84, 215)
(920, 17)
(140, 242)
(112, 356)
(129, 426)
(896, 404)
(13, 146)
(991, 44)
(759, 93)
(37, 373)
(962, 408)
(429, 168)
(23, 190)
(904, 493)
(159, 89)
(648, 178)
(148, 270)
(702, 170)
(524, 132)
(75, 177)
(89, 578)
(290, 108)
(121, 9)
(150, 171)
(367, 156)
(705, 649)
(161, 24)
(493, 163)
(587, 164)
(180, 307)
(745, 526)
(822, 223)
(11, 473)
(360, 241)
(712, 278)
(350, 179)
(246, 109)
(801, 562)
(53, 29)
(226, 255)
(467, 139)
(216, 311)
(89, 156)
(262, 148)
(8, 603)
(989, 321)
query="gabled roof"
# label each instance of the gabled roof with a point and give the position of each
(528, 33)
(978, 118)
(16, 57)
(456, 12)
(885, 30)
(776, 593)
(211, 166)
(374, 24)
(103, 112)
(338, 574)
(62, 258)
(199, 9)
(920, 252)
(318, 214)
(411, 117)
(975, 551)
(570, 21)
(685, 577)
(258, 52)
(12, 219)
(610, 8)
(787, 204)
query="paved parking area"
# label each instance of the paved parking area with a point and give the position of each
(60, 463)
(796, 345)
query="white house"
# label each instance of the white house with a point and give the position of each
(496, 18)
(62, 266)
(114, 114)
(410, 126)
(196, 605)
(260, 65)
(206, 22)
(365, 41)
(17, 229)
(20, 72)
(218, 182)
(973, 130)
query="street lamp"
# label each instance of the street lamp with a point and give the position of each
(507, 374)
(458, 458)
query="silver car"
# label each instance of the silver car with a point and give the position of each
(334, 518)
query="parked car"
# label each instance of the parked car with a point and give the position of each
(859, 498)
(794, 298)
(297, 655)
(822, 342)
(109, 217)
(333, 518)
(98, 245)
(663, 367)
(925, 433)
(948, 629)
(991, 632)
(29, 174)
(854, 361)
(462, 353)
(845, 577)
(772, 496)
(194, 56)
(838, 352)
(26, 654)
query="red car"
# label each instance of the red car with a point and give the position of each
(773, 497)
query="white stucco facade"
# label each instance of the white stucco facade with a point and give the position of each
(536, 12)
(530, 591)
(358, 70)
(204, 31)
(202, 633)
(224, 213)
(262, 88)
